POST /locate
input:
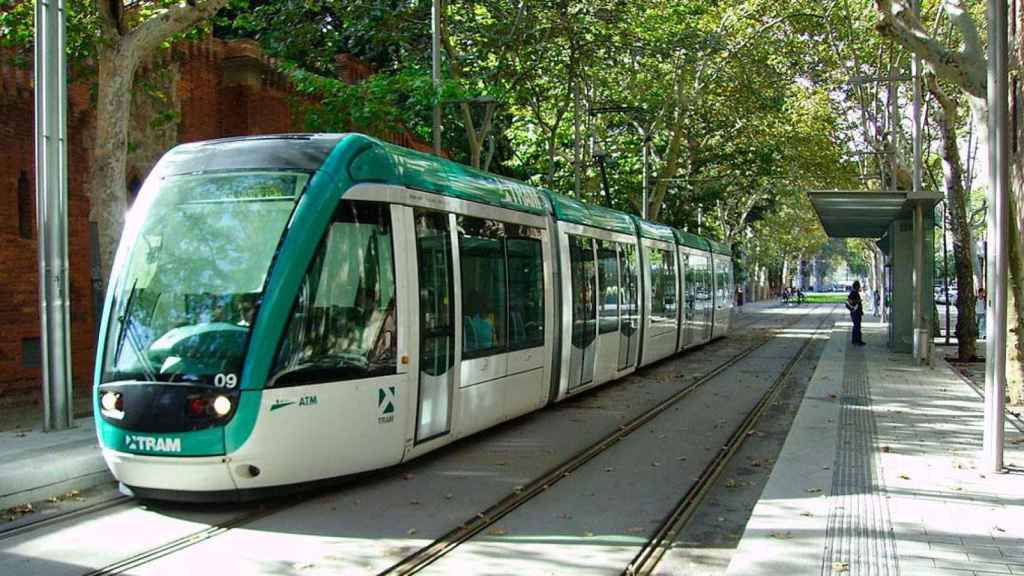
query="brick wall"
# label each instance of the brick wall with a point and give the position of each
(214, 89)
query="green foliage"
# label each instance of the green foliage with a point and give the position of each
(17, 33)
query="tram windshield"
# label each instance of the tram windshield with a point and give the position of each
(187, 298)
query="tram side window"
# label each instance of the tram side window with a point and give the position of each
(629, 288)
(663, 285)
(343, 324)
(484, 303)
(690, 279)
(608, 278)
(526, 287)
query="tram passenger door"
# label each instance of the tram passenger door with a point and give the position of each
(629, 334)
(584, 311)
(436, 324)
(689, 300)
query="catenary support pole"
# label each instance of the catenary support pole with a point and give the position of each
(51, 212)
(998, 188)
(435, 70)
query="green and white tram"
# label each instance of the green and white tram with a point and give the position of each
(288, 309)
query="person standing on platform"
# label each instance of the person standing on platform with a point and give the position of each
(856, 308)
(979, 311)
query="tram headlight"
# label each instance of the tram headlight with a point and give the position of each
(111, 401)
(222, 405)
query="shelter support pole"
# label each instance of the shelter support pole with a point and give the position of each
(435, 71)
(998, 189)
(922, 335)
(51, 213)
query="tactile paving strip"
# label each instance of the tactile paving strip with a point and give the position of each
(860, 539)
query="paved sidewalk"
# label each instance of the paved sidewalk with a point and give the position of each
(881, 474)
(37, 465)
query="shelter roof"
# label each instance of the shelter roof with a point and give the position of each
(864, 214)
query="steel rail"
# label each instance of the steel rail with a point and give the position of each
(442, 546)
(489, 516)
(19, 528)
(651, 554)
(152, 554)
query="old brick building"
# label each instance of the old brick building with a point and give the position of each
(193, 91)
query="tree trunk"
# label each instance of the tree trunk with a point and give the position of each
(108, 186)
(956, 202)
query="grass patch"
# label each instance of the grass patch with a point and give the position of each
(829, 298)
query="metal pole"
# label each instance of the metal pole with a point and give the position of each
(922, 321)
(999, 179)
(435, 70)
(643, 210)
(51, 212)
(945, 268)
(895, 125)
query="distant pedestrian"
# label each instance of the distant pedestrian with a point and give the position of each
(878, 301)
(856, 308)
(979, 310)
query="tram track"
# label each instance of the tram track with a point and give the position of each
(648, 558)
(476, 525)
(441, 546)
(17, 529)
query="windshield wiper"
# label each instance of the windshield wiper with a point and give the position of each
(125, 315)
(126, 334)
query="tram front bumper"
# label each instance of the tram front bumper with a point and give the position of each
(160, 473)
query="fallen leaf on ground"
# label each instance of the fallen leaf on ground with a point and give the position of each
(730, 483)
(497, 531)
(904, 477)
(410, 531)
(588, 534)
(840, 566)
(813, 490)
(782, 535)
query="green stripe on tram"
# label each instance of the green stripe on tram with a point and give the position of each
(312, 215)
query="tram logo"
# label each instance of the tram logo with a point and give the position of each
(387, 396)
(304, 401)
(150, 444)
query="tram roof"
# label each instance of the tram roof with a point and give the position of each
(691, 240)
(720, 248)
(568, 209)
(387, 163)
(655, 231)
(280, 151)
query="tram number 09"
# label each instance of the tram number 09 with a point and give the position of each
(225, 380)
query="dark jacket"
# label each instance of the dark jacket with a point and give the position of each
(853, 303)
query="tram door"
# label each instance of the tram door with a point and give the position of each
(584, 311)
(436, 325)
(629, 335)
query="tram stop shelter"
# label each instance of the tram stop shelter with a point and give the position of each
(901, 223)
